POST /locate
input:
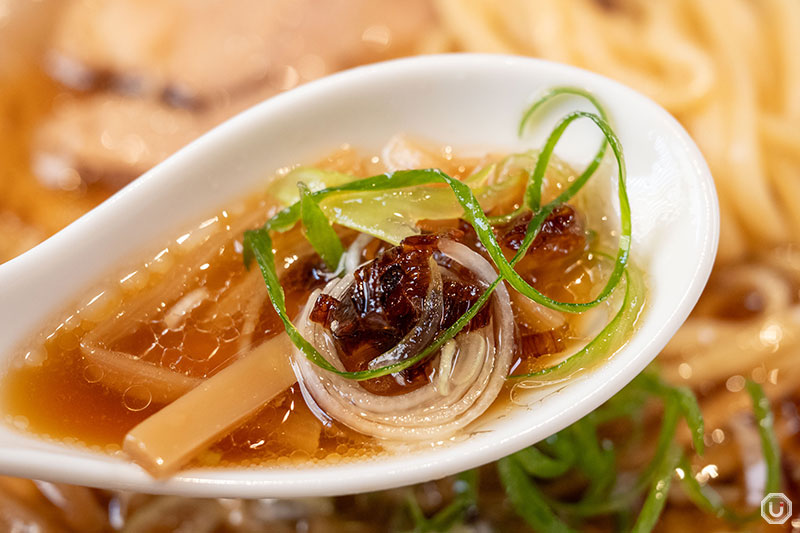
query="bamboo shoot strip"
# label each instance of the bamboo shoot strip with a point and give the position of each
(120, 371)
(164, 442)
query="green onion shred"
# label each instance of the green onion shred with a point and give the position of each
(320, 233)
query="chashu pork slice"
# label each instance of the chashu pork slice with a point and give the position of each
(110, 139)
(197, 49)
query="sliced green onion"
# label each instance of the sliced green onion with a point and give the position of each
(687, 402)
(560, 447)
(318, 229)
(552, 93)
(581, 438)
(258, 244)
(473, 214)
(706, 498)
(627, 403)
(603, 503)
(609, 338)
(538, 464)
(709, 500)
(765, 422)
(507, 270)
(659, 490)
(693, 416)
(466, 498)
(669, 427)
(284, 188)
(527, 499)
(596, 462)
(533, 193)
(532, 196)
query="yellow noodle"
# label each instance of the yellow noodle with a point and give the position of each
(720, 65)
(730, 72)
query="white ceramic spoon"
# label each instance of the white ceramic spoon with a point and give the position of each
(461, 100)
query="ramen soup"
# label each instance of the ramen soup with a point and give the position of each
(362, 304)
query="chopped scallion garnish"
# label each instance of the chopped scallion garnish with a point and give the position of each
(258, 243)
(521, 471)
(318, 229)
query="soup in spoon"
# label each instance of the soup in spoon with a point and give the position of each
(365, 304)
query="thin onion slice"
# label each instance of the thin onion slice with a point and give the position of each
(480, 365)
(352, 259)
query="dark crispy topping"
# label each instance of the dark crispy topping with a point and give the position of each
(383, 305)
(389, 290)
(456, 229)
(534, 344)
(323, 308)
(460, 291)
(562, 235)
(385, 302)
(305, 274)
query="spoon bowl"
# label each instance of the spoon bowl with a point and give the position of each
(464, 100)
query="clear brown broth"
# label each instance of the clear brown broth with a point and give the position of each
(60, 396)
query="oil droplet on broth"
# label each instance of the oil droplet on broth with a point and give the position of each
(137, 398)
(93, 373)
